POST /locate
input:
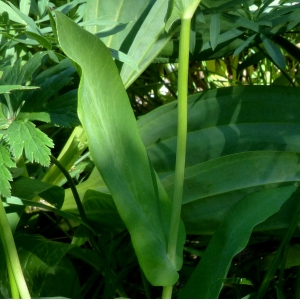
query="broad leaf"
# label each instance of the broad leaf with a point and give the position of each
(223, 122)
(44, 262)
(105, 113)
(27, 188)
(230, 238)
(25, 136)
(100, 208)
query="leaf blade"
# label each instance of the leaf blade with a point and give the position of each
(25, 136)
(230, 238)
(126, 170)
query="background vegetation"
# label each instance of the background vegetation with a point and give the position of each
(240, 199)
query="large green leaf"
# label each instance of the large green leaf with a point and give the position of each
(225, 127)
(223, 122)
(45, 265)
(230, 238)
(118, 152)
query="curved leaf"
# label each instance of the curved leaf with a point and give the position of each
(231, 132)
(118, 152)
(230, 238)
(224, 122)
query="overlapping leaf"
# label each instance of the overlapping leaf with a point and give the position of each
(226, 122)
(230, 130)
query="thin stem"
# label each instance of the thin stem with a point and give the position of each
(181, 142)
(72, 186)
(12, 254)
(77, 200)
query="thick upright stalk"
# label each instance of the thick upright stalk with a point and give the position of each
(181, 142)
(11, 254)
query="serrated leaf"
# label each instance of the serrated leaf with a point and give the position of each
(25, 136)
(214, 30)
(5, 176)
(274, 52)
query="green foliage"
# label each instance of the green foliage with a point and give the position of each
(6, 162)
(239, 189)
(133, 193)
(24, 136)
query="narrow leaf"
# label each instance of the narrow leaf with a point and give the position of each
(25, 136)
(8, 88)
(230, 238)
(31, 24)
(214, 30)
(25, 6)
(40, 39)
(244, 45)
(124, 58)
(274, 52)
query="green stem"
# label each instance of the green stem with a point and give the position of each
(12, 254)
(77, 200)
(181, 142)
(13, 284)
(72, 186)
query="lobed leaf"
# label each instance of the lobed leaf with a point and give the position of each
(25, 136)
(5, 175)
